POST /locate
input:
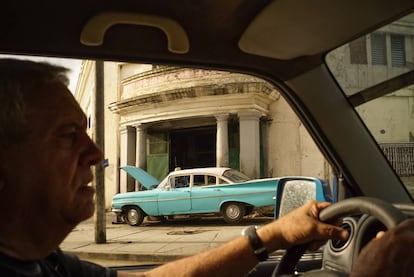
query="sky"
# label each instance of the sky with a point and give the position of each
(72, 64)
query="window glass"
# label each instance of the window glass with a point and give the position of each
(204, 180)
(235, 176)
(181, 181)
(385, 91)
(199, 180)
(222, 181)
(177, 125)
(211, 180)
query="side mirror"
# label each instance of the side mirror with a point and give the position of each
(293, 193)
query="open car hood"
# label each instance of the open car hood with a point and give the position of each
(141, 176)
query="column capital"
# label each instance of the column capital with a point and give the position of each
(252, 114)
(126, 128)
(222, 116)
(140, 126)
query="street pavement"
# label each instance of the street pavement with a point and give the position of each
(152, 242)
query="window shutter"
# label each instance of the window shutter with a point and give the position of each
(378, 49)
(358, 51)
(397, 50)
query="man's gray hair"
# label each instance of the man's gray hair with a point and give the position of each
(18, 79)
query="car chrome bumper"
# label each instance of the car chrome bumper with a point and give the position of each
(115, 210)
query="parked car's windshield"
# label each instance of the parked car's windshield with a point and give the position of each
(376, 74)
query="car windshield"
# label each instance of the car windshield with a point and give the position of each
(235, 176)
(376, 73)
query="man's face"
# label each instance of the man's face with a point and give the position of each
(51, 170)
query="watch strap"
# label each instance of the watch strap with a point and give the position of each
(255, 242)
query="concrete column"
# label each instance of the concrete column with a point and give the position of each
(265, 145)
(222, 141)
(141, 149)
(128, 146)
(250, 143)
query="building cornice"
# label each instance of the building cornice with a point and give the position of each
(260, 89)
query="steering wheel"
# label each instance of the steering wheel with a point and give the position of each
(386, 213)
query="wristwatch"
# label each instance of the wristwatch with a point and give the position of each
(258, 249)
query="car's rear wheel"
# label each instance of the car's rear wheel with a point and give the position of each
(233, 212)
(134, 216)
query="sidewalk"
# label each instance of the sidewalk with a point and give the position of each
(128, 245)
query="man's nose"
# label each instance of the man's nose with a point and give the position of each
(97, 156)
(92, 154)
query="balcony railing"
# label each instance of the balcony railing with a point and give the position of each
(401, 157)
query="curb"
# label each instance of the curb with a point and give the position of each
(136, 258)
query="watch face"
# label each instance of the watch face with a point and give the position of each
(249, 229)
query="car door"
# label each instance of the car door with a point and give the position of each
(205, 195)
(175, 199)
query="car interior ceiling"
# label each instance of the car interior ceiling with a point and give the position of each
(161, 46)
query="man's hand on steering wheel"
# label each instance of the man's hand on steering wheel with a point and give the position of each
(384, 212)
(301, 226)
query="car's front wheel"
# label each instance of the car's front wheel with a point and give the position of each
(134, 216)
(233, 212)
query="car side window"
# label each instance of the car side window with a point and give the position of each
(181, 181)
(204, 180)
(198, 180)
(211, 180)
(222, 181)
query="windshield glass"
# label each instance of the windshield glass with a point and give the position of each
(376, 73)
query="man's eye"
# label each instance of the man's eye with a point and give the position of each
(70, 135)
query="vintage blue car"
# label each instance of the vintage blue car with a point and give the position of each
(216, 190)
